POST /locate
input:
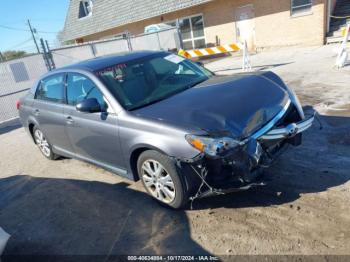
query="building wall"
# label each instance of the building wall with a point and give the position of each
(280, 28)
(274, 25)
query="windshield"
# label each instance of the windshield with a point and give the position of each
(138, 83)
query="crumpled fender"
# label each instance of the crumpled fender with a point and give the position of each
(277, 80)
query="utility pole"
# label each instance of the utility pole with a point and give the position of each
(32, 31)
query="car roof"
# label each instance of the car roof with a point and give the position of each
(109, 60)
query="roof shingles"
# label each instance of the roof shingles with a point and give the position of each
(108, 14)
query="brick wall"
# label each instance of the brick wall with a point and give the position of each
(274, 25)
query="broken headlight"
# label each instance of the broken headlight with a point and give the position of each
(212, 146)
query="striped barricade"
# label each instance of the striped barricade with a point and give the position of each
(210, 50)
(246, 65)
(345, 30)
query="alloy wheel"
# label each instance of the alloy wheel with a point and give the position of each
(158, 181)
(42, 143)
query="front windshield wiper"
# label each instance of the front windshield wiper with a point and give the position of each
(148, 103)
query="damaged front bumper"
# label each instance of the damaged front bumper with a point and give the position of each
(271, 132)
(290, 130)
(242, 168)
(239, 170)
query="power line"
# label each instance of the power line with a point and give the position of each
(47, 32)
(48, 19)
(25, 30)
(20, 44)
(12, 28)
(42, 19)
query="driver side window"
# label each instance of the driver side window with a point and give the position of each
(80, 88)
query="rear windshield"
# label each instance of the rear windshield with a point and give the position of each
(144, 81)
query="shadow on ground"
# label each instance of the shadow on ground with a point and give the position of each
(61, 216)
(9, 126)
(56, 216)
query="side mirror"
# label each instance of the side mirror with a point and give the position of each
(90, 105)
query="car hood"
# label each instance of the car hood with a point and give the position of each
(239, 105)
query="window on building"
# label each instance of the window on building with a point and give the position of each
(85, 8)
(51, 89)
(300, 6)
(192, 31)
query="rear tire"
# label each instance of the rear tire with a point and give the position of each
(161, 179)
(43, 144)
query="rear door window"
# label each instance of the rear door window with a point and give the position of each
(51, 89)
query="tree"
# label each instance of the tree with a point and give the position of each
(13, 54)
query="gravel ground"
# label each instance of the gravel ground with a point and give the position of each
(70, 207)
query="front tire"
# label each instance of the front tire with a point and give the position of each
(43, 145)
(161, 179)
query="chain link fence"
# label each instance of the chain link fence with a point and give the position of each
(162, 40)
(17, 76)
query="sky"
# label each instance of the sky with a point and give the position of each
(46, 16)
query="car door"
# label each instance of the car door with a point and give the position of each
(94, 136)
(48, 111)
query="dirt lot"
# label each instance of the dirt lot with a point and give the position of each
(69, 207)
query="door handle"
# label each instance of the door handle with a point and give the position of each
(69, 119)
(36, 112)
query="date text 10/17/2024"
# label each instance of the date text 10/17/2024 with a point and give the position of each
(173, 258)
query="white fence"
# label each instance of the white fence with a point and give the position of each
(163, 40)
(17, 76)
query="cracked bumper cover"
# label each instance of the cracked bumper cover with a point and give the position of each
(252, 145)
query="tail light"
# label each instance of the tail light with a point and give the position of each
(18, 105)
